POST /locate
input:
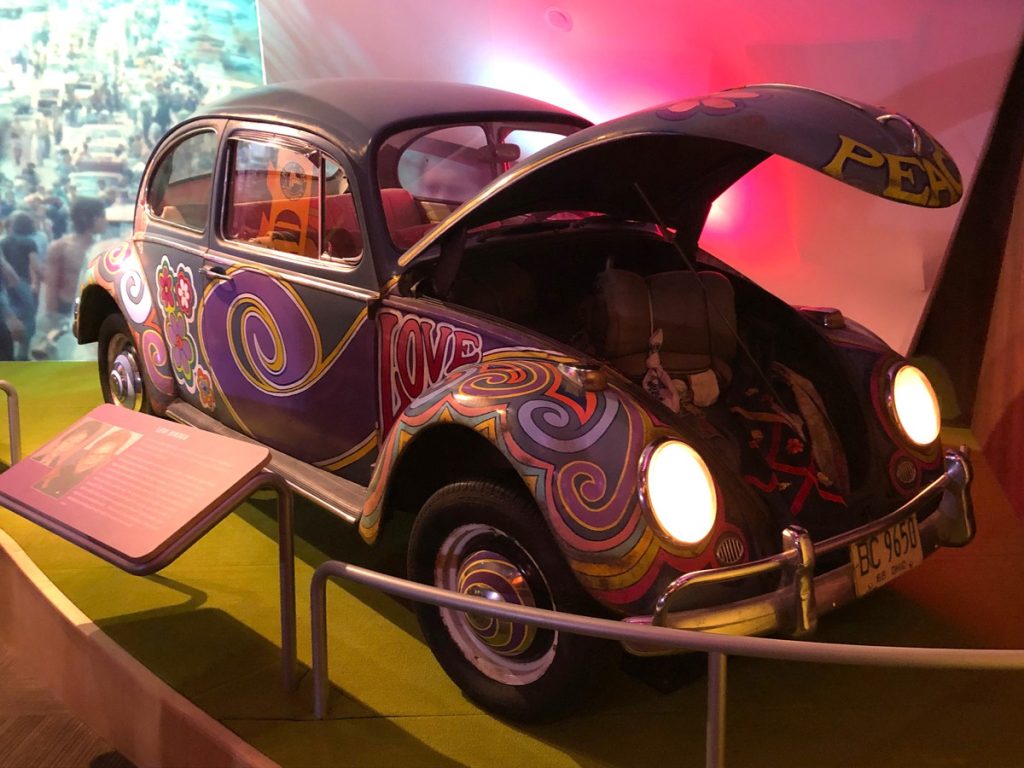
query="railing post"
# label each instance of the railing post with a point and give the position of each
(318, 630)
(714, 750)
(13, 420)
(286, 557)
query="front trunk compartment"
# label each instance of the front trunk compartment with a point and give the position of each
(787, 408)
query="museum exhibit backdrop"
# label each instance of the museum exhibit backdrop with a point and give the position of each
(139, 67)
(944, 63)
(88, 86)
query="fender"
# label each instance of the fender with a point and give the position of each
(118, 272)
(906, 467)
(578, 453)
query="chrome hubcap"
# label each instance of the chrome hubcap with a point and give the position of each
(125, 378)
(494, 577)
(482, 561)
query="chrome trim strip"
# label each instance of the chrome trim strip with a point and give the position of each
(341, 266)
(167, 242)
(351, 292)
(341, 497)
(798, 541)
(915, 134)
(844, 540)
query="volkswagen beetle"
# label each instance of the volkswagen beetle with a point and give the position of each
(475, 308)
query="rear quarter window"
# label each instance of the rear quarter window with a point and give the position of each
(181, 184)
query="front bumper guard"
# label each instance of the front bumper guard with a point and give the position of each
(801, 597)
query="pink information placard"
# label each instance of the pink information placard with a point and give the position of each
(128, 482)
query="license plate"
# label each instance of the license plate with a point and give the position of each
(880, 558)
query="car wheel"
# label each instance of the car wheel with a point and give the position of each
(484, 539)
(120, 366)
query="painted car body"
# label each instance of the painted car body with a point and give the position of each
(317, 315)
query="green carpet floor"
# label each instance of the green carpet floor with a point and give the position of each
(208, 625)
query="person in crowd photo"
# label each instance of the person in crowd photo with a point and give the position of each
(65, 259)
(21, 253)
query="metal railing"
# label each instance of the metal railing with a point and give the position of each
(718, 647)
(13, 419)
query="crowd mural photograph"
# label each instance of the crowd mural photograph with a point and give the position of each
(86, 92)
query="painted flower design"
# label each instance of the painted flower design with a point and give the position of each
(183, 350)
(165, 284)
(794, 446)
(184, 292)
(204, 386)
(756, 437)
(722, 103)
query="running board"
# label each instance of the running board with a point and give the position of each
(335, 494)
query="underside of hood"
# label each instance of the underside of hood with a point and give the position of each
(668, 164)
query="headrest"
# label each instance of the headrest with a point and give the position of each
(696, 313)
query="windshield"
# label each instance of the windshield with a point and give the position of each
(426, 173)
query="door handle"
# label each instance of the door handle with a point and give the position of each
(216, 272)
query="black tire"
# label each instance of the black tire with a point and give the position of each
(120, 366)
(517, 672)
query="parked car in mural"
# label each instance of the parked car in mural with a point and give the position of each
(472, 307)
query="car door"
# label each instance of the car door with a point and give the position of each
(285, 342)
(173, 234)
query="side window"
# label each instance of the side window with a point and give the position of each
(275, 194)
(181, 185)
(449, 164)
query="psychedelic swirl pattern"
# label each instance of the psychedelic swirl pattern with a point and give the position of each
(281, 378)
(578, 453)
(119, 272)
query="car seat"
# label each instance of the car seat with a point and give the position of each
(696, 312)
(405, 217)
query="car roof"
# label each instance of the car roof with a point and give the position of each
(355, 111)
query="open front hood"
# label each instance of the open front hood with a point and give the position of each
(669, 163)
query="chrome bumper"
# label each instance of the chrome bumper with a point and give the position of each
(794, 606)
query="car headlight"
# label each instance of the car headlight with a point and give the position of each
(677, 487)
(914, 405)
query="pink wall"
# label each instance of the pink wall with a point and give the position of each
(998, 422)
(942, 62)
